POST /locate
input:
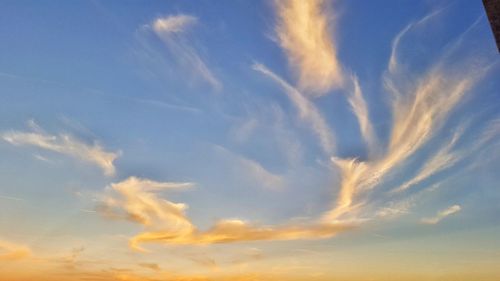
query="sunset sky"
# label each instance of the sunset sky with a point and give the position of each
(242, 140)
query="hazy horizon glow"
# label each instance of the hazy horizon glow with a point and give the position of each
(249, 140)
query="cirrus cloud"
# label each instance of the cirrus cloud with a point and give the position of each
(304, 32)
(165, 222)
(64, 144)
(171, 30)
(442, 214)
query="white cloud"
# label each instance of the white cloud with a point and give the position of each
(441, 160)
(442, 214)
(166, 222)
(304, 32)
(360, 109)
(174, 24)
(394, 64)
(64, 144)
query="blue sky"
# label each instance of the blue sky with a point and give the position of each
(270, 140)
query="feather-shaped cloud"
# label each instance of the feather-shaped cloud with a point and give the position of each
(65, 144)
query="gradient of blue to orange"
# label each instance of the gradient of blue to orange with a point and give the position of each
(248, 140)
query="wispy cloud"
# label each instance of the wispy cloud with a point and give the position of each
(137, 200)
(360, 109)
(252, 169)
(421, 103)
(441, 215)
(11, 198)
(42, 158)
(306, 109)
(394, 63)
(64, 144)
(230, 231)
(174, 24)
(171, 30)
(304, 31)
(166, 105)
(442, 159)
(11, 252)
(405, 204)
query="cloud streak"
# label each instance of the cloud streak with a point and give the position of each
(441, 215)
(303, 31)
(393, 65)
(174, 24)
(360, 109)
(65, 144)
(444, 158)
(306, 109)
(231, 231)
(171, 30)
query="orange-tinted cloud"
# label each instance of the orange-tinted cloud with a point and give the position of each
(230, 231)
(165, 222)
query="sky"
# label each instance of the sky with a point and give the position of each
(248, 140)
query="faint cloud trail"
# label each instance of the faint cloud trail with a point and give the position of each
(442, 215)
(170, 30)
(306, 109)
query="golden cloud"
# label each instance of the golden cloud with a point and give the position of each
(304, 32)
(165, 222)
